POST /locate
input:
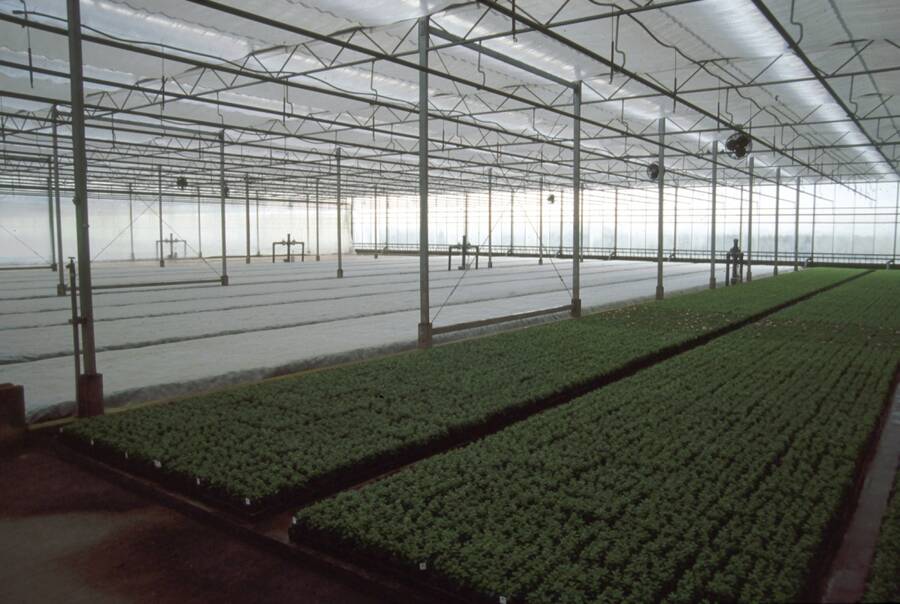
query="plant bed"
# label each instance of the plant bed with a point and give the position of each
(719, 475)
(265, 446)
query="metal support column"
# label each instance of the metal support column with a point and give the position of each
(812, 243)
(318, 256)
(424, 302)
(777, 217)
(675, 221)
(258, 253)
(797, 229)
(50, 216)
(340, 268)
(712, 236)
(90, 383)
(162, 261)
(560, 223)
(896, 216)
(741, 220)
(490, 218)
(222, 186)
(660, 291)
(61, 283)
(541, 222)
(247, 216)
(576, 202)
(375, 223)
(387, 222)
(199, 229)
(616, 221)
(512, 225)
(465, 219)
(750, 224)
(131, 220)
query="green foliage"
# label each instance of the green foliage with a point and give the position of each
(713, 476)
(884, 578)
(290, 436)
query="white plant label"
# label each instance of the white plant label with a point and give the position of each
(246, 501)
(157, 464)
(502, 599)
(423, 565)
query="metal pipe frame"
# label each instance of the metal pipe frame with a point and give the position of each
(90, 382)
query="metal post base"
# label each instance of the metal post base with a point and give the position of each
(60, 289)
(318, 258)
(53, 267)
(540, 260)
(224, 279)
(340, 273)
(247, 260)
(576, 307)
(712, 283)
(424, 335)
(90, 395)
(490, 264)
(775, 270)
(162, 264)
(660, 292)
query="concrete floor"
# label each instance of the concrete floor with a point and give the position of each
(156, 342)
(70, 536)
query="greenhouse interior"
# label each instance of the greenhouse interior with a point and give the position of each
(497, 301)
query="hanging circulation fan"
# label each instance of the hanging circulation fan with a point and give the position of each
(551, 198)
(182, 182)
(738, 145)
(653, 171)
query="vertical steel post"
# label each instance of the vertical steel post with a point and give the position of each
(318, 256)
(741, 220)
(50, 216)
(777, 216)
(675, 222)
(660, 291)
(750, 224)
(247, 216)
(162, 261)
(581, 204)
(90, 384)
(340, 268)
(424, 302)
(712, 237)
(896, 217)
(541, 222)
(222, 186)
(131, 220)
(61, 284)
(560, 223)
(812, 243)
(616, 221)
(576, 202)
(387, 222)
(375, 222)
(465, 219)
(512, 240)
(797, 229)
(257, 225)
(490, 218)
(199, 230)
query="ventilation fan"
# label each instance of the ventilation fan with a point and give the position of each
(738, 145)
(225, 189)
(182, 182)
(653, 171)
(551, 198)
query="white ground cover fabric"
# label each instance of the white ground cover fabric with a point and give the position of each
(274, 318)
